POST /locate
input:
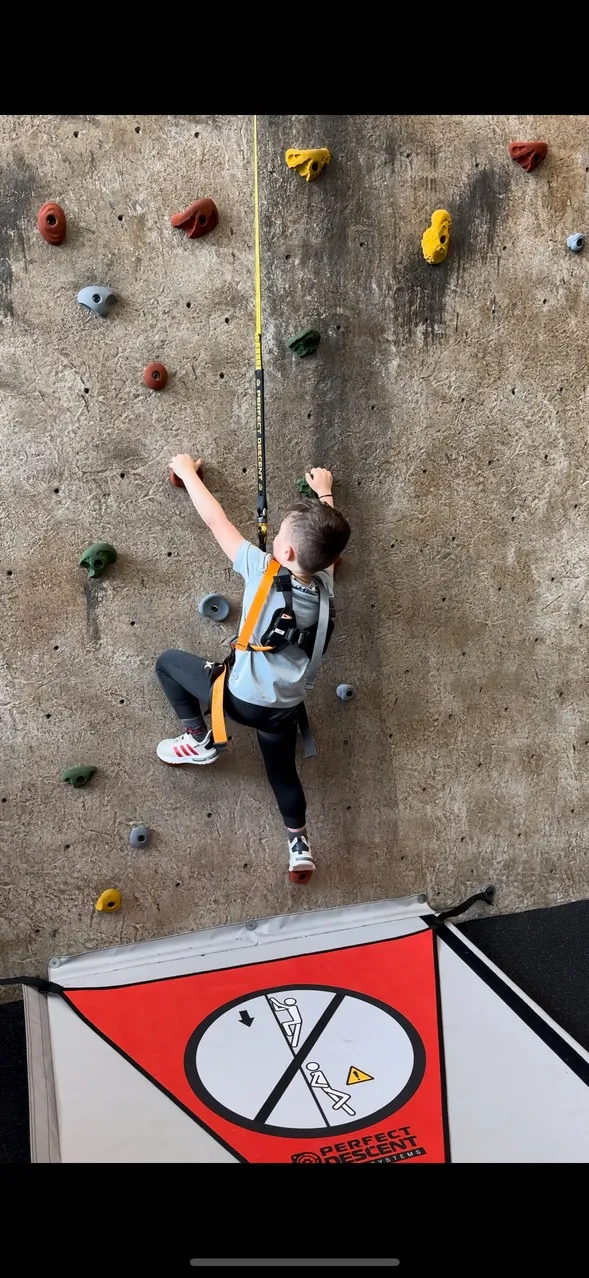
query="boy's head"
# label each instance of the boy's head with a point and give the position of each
(311, 536)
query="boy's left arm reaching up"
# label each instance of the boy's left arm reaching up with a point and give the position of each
(209, 509)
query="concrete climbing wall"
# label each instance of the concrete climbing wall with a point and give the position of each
(450, 402)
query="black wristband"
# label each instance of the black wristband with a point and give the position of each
(324, 495)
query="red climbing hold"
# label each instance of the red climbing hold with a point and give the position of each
(155, 375)
(528, 154)
(179, 483)
(198, 219)
(52, 223)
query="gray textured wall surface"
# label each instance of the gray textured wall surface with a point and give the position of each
(450, 402)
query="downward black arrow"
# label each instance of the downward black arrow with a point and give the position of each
(245, 1018)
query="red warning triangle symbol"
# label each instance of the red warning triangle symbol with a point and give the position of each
(259, 1055)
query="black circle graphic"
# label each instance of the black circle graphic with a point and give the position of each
(305, 1157)
(267, 1128)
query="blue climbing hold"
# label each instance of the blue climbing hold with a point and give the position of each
(344, 691)
(576, 242)
(216, 607)
(140, 836)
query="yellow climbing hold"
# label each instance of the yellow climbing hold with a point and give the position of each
(308, 163)
(109, 901)
(435, 241)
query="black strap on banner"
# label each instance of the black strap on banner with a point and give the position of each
(487, 895)
(34, 982)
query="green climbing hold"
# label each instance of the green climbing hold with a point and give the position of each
(305, 489)
(97, 558)
(305, 343)
(77, 776)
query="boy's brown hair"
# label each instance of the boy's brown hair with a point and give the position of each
(320, 533)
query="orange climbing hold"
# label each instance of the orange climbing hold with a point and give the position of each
(52, 223)
(528, 154)
(179, 483)
(155, 375)
(198, 219)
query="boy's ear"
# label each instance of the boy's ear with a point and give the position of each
(290, 553)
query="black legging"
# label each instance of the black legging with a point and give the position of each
(186, 684)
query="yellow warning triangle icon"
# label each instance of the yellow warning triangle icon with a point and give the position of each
(358, 1076)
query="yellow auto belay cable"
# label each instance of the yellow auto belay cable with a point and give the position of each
(262, 502)
(243, 641)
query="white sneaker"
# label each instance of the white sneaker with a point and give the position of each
(300, 862)
(186, 749)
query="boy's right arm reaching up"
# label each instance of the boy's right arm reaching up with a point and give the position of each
(209, 509)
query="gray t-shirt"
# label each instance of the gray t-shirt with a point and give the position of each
(272, 678)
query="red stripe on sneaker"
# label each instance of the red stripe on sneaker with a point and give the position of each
(178, 752)
(185, 750)
(191, 748)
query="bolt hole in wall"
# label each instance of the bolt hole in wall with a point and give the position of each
(120, 217)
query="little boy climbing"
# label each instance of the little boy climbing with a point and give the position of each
(284, 629)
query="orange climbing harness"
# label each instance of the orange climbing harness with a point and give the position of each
(241, 644)
(281, 632)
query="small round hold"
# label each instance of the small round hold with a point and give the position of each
(52, 223)
(155, 376)
(109, 901)
(344, 691)
(140, 836)
(214, 606)
(576, 242)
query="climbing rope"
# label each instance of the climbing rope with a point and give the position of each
(262, 503)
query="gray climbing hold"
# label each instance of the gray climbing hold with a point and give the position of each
(576, 242)
(140, 836)
(97, 297)
(214, 606)
(344, 691)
